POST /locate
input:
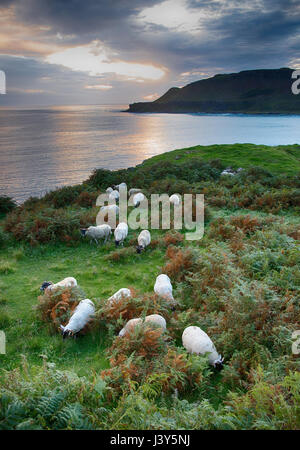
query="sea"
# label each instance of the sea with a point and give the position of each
(42, 148)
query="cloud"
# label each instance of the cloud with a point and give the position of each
(151, 97)
(101, 87)
(141, 46)
(94, 59)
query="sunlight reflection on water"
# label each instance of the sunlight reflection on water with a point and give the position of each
(41, 149)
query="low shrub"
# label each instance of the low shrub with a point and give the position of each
(55, 308)
(7, 204)
(180, 263)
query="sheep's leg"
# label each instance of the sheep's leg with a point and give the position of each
(96, 241)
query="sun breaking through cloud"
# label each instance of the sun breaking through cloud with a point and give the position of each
(94, 60)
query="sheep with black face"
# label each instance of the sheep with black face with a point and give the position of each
(197, 341)
(144, 239)
(82, 314)
(96, 233)
(163, 288)
(52, 287)
(121, 233)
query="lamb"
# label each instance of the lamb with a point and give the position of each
(133, 191)
(80, 317)
(175, 199)
(98, 232)
(197, 341)
(109, 190)
(137, 199)
(65, 283)
(153, 318)
(113, 196)
(144, 239)
(121, 233)
(121, 293)
(163, 288)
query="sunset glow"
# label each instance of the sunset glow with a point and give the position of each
(94, 60)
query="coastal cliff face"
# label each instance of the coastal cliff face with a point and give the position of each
(251, 91)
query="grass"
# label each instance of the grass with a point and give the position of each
(240, 283)
(21, 275)
(277, 159)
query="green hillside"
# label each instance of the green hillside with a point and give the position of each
(249, 91)
(240, 283)
(277, 159)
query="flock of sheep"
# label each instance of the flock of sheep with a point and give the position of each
(194, 339)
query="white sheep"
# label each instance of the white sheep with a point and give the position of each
(175, 199)
(120, 186)
(130, 325)
(65, 283)
(197, 341)
(163, 288)
(137, 199)
(109, 190)
(157, 319)
(144, 239)
(108, 208)
(113, 196)
(121, 233)
(121, 293)
(153, 318)
(98, 232)
(82, 314)
(228, 171)
(133, 191)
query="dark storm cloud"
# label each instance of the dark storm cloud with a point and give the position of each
(242, 28)
(77, 16)
(234, 35)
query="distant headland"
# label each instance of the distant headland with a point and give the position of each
(251, 91)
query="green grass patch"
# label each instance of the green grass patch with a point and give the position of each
(277, 159)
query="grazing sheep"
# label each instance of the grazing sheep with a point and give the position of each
(144, 239)
(120, 186)
(130, 325)
(197, 341)
(109, 190)
(157, 319)
(137, 199)
(133, 191)
(228, 172)
(163, 288)
(107, 208)
(175, 199)
(121, 233)
(98, 232)
(114, 196)
(65, 283)
(80, 317)
(121, 293)
(153, 318)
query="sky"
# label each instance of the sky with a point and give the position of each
(59, 52)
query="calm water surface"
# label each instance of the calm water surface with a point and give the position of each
(41, 149)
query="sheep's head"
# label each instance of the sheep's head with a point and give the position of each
(83, 231)
(117, 243)
(45, 285)
(218, 364)
(139, 249)
(65, 333)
